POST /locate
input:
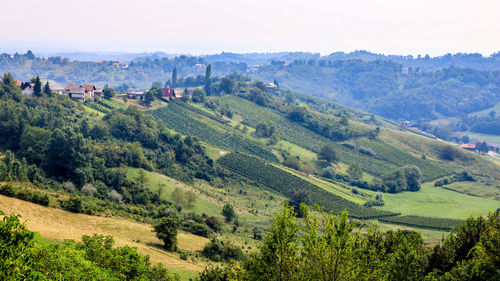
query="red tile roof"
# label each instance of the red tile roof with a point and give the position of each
(468, 145)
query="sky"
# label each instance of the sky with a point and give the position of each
(433, 27)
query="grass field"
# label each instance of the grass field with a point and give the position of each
(483, 137)
(58, 225)
(490, 191)
(438, 202)
(202, 205)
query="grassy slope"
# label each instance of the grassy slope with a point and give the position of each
(438, 202)
(56, 224)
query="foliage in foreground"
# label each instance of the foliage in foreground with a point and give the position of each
(325, 246)
(92, 259)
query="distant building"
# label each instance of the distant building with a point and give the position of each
(405, 70)
(136, 95)
(468, 146)
(168, 92)
(98, 93)
(271, 86)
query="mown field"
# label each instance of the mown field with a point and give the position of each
(438, 202)
(58, 225)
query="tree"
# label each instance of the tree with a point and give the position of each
(355, 171)
(278, 258)
(208, 80)
(166, 230)
(108, 93)
(149, 98)
(47, 90)
(179, 197)
(68, 155)
(174, 77)
(185, 95)
(328, 172)
(412, 174)
(16, 250)
(37, 89)
(228, 213)
(198, 95)
(227, 85)
(328, 153)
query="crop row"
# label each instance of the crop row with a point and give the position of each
(400, 158)
(424, 222)
(180, 119)
(200, 112)
(288, 184)
(97, 107)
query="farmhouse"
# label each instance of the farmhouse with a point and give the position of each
(80, 93)
(27, 89)
(133, 94)
(468, 146)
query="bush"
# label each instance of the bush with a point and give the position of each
(218, 251)
(328, 172)
(214, 223)
(196, 228)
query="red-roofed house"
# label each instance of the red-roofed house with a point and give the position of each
(19, 83)
(80, 93)
(468, 146)
(168, 92)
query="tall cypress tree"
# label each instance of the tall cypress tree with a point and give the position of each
(208, 80)
(37, 89)
(174, 78)
(47, 90)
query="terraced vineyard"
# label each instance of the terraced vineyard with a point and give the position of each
(182, 120)
(398, 157)
(287, 184)
(424, 222)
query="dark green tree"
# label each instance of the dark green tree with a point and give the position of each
(149, 97)
(166, 230)
(198, 95)
(46, 89)
(108, 93)
(37, 89)
(208, 80)
(228, 212)
(328, 153)
(174, 78)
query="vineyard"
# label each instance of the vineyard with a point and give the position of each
(200, 112)
(423, 222)
(253, 114)
(287, 184)
(180, 119)
(400, 158)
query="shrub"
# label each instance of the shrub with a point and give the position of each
(218, 251)
(328, 172)
(89, 190)
(196, 228)
(214, 223)
(69, 187)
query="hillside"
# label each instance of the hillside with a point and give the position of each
(221, 166)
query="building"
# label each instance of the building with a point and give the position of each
(168, 92)
(28, 89)
(133, 94)
(405, 70)
(271, 86)
(468, 146)
(98, 93)
(77, 93)
(80, 93)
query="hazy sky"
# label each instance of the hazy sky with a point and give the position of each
(430, 27)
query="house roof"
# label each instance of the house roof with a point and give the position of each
(19, 83)
(89, 87)
(77, 90)
(72, 86)
(468, 145)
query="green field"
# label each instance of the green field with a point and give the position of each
(483, 137)
(438, 202)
